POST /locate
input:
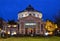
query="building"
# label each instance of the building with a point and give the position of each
(30, 22)
(3, 24)
(3, 27)
(12, 28)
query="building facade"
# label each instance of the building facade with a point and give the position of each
(30, 22)
(12, 28)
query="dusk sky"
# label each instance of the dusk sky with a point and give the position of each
(9, 8)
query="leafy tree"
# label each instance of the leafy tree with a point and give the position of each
(50, 26)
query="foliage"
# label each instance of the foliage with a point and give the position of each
(12, 22)
(50, 26)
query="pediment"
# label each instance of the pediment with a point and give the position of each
(30, 18)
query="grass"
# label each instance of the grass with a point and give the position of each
(54, 38)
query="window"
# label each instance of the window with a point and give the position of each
(14, 32)
(14, 25)
(38, 15)
(8, 32)
(22, 15)
(33, 14)
(25, 14)
(30, 23)
(29, 14)
(9, 25)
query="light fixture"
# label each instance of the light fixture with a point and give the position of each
(8, 32)
(14, 32)
(14, 25)
(46, 33)
(9, 25)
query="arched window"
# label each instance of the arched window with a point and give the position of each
(29, 14)
(22, 15)
(33, 14)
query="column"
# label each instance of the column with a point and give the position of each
(44, 30)
(28, 31)
(24, 30)
(40, 28)
(36, 29)
(19, 28)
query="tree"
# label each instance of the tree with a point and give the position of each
(50, 26)
(1, 22)
(57, 19)
(2, 27)
(11, 22)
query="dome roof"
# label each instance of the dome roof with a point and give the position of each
(29, 8)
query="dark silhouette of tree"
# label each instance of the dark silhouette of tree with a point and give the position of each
(57, 18)
(11, 22)
(1, 22)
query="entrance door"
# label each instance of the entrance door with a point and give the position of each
(30, 30)
(26, 31)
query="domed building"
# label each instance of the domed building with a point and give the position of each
(30, 22)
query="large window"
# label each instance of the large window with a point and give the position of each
(30, 23)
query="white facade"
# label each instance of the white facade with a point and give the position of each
(26, 13)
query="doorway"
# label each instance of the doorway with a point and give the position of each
(29, 31)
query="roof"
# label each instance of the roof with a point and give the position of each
(29, 8)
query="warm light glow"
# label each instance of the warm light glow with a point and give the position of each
(40, 15)
(50, 26)
(0, 28)
(50, 33)
(56, 26)
(46, 33)
(9, 25)
(14, 25)
(30, 23)
(30, 29)
(14, 32)
(8, 32)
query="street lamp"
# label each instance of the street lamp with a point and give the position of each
(46, 34)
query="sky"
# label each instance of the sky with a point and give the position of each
(9, 8)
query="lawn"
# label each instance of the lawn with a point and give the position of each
(54, 38)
